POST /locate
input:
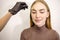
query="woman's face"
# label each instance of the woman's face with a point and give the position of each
(39, 14)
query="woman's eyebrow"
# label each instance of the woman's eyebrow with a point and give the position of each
(42, 10)
(33, 10)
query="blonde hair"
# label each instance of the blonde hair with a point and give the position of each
(48, 20)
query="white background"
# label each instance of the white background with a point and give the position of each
(20, 21)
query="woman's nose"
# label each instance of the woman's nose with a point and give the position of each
(38, 15)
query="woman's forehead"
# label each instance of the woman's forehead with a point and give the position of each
(38, 6)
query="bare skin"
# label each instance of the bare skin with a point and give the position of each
(18, 6)
(39, 30)
(4, 20)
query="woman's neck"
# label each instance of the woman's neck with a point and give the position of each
(42, 28)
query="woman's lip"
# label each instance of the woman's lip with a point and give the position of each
(37, 20)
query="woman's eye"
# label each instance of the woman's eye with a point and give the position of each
(33, 12)
(41, 12)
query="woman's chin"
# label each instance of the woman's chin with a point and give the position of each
(38, 24)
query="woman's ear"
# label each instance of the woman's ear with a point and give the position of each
(47, 14)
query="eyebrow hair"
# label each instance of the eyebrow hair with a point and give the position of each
(33, 10)
(42, 9)
(39, 10)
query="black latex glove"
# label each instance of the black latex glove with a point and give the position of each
(18, 6)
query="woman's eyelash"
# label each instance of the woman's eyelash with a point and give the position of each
(41, 11)
(33, 12)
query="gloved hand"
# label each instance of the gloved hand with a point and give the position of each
(18, 7)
